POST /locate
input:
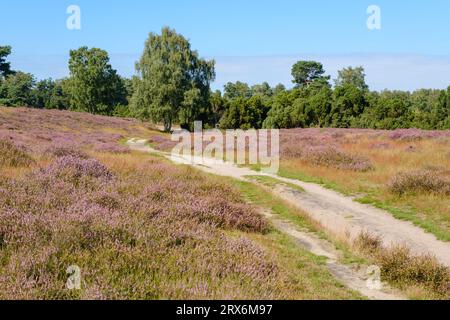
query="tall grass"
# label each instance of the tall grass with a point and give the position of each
(404, 269)
(12, 155)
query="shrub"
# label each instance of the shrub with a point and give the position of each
(399, 266)
(369, 243)
(402, 268)
(63, 151)
(13, 156)
(332, 157)
(69, 168)
(409, 135)
(111, 148)
(418, 181)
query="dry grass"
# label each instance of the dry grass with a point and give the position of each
(419, 181)
(405, 270)
(389, 157)
(13, 156)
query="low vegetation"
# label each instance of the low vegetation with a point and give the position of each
(419, 181)
(408, 173)
(406, 270)
(136, 226)
(13, 155)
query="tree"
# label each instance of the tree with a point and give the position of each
(94, 85)
(16, 90)
(263, 90)
(389, 110)
(278, 89)
(237, 90)
(441, 112)
(424, 108)
(282, 111)
(5, 67)
(319, 106)
(217, 104)
(305, 72)
(244, 114)
(349, 103)
(50, 94)
(351, 76)
(173, 83)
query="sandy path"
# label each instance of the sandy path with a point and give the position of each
(339, 214)
(351, 278)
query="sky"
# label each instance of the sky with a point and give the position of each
(250, 40)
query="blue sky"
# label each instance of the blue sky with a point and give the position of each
(251, 40)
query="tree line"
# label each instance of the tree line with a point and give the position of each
(172, 85)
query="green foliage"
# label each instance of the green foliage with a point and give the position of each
(278, 89)
(173, 82)
(303, 107)
(5, 67)
(50, 94)
(389, 110)
(279, 116)
(237, 90)
(244, 114)
(349, 103)
(122, 111)
(352, 76)
(16, 90)
(305, 72)
(263, 90)
(94, 85)
(217, 107)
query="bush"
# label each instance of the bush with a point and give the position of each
(330, 156)
(400, 267)
(73, 169)
(418, 181)
(59, 152)
(13, 156)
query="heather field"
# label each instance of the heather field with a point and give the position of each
(138, 227)
(403, 171)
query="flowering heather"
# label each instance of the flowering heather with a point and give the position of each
(76, 168)
(162, 143)
(147, 233)
(41, 130)
(111, 148)
(328, 156)
(419, 181)
(65, 151)
(416, 134)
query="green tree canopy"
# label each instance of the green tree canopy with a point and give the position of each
(244, 114)
(173, 82)
(305, 72)
(5, 67)
(352, 76)
(349, 103)
(16, 90)
(94, 85)
(50, 94)
(237, 90)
